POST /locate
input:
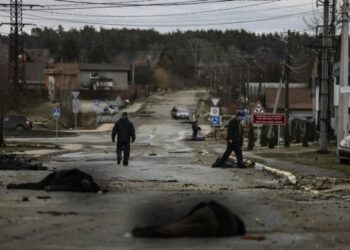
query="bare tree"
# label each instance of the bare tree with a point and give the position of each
(153, 55)
(198, 48)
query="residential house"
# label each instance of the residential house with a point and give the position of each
(256, 89)
(300, 102)
(65, 75)
(103, 76)
(88, 76)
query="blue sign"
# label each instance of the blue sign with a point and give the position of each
(56, 113)
(97, 103)
(215, 121)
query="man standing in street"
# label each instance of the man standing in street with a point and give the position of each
(195, 129)
(233, 141)
(125, 131)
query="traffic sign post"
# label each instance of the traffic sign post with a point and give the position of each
(56, 114)
(269, 119)
(75, 94)
(76, 109)
(215, 101)
(215, 122)
(214, 111)
(258, 108)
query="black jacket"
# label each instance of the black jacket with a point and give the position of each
(124, 129)
(233, 131)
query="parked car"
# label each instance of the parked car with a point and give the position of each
(182, 113)
(344, 150)
(17, 122)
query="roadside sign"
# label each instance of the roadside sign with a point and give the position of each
(75, 105)
(345, 90)
(215, 101)
(258, 108)
(75, 94)
(97, 103)
(269, 119)
(118, 101)
(215, 121)
(214, 111)
(56, 113)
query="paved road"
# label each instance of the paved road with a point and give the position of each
(167, 175)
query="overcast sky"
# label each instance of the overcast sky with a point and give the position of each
(251, 15)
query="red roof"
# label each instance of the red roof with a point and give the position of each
(300, 98)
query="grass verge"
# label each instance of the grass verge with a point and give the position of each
(308, 156)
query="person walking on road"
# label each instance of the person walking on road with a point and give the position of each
(233, 141)
(125, 131)
(195, 129)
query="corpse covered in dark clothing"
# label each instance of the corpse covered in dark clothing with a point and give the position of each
(72, 180)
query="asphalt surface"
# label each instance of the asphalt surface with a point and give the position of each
(167, 175)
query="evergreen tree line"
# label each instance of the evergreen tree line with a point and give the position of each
(196, 57)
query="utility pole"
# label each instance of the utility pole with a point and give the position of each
(324, 88)
(17, 57)
(16, 67)
(343, 115)
(286, 93)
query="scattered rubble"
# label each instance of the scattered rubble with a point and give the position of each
(14, 162)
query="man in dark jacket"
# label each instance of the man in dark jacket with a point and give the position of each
(195, 129)
(124, 129)
(233, 141)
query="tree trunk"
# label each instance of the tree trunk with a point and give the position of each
(2, 116)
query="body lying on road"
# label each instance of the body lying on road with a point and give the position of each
(72, 180)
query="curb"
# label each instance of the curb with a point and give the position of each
(291, 177)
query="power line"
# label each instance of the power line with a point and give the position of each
(162, 15)
(35, 17)
(94, 5)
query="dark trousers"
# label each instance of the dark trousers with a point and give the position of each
(194, 134)
(123, 146)
(238, 153)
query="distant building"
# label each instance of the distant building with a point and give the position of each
(300, 102)
(252, 88)
(103, 76)
(88, 76)
(34, 77)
